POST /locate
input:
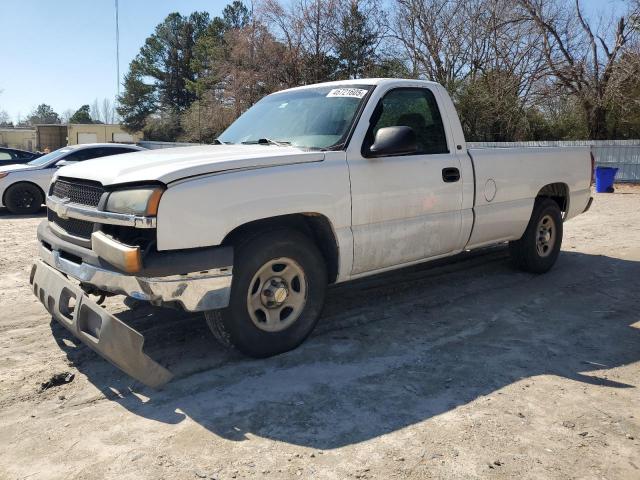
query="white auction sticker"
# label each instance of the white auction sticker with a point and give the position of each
(347, 92)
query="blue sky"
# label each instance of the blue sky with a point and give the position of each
(62, 52)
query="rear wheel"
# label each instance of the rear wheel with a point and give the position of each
(539, 247)
(279, 283)
(23, 198)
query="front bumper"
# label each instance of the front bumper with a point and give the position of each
(207, 287)
(196, 292)
(61, 261)
(95, 327)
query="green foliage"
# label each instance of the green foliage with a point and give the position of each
(564, 118)
(166, 58)
(490, 109)
(161, 73)
(5, 120)
(355, 43)
(389, 68)
(623, 101)
(208, 53)
(43, 114)
(206, 119)
(236, 15)
(318, 68)
(164, 127)
(138, 101)
(82, 115)
(195, 73)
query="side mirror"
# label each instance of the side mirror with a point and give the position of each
(399, 140)
(62, 163)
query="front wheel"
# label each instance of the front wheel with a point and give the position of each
(538, 249)
(277, 293)
(23, 199)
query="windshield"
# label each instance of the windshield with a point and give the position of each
(49, 157)
(308, 118)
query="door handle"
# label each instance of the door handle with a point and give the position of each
(450, 174)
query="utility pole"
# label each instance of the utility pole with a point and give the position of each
(117, 49)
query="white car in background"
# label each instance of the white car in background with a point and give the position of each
(23, 187)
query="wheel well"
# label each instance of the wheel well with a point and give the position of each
(316, 226)
(4, 195)
(558, 192)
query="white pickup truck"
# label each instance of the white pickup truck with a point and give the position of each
(311, 186)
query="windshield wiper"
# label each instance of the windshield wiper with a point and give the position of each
(217, 141)
(266, 141)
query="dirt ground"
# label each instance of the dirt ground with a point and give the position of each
(465, 369)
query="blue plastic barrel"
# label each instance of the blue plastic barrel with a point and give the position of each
(604, 179)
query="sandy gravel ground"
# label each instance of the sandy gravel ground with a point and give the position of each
(461, 370)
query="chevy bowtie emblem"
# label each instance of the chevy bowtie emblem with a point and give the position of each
(62, 209)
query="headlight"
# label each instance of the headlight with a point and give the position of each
(137, 201)
(3, 174)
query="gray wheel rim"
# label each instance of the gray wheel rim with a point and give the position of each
(546, 236)
(277, 295)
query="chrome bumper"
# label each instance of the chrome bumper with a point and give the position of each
(95, 327)
(207, 290)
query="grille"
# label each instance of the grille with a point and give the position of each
(82, 193)
(73, 226)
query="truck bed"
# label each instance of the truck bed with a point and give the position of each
(507, 181)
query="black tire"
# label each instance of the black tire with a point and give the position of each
(526, 252)
(23, 198)
(234, 326)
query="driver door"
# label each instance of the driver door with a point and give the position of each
(405, 208)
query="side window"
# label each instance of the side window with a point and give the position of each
(415, 108)
(85, 154)
(5, 156)
(89, 153)
(119, 150)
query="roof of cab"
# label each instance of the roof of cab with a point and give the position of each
(363, 81)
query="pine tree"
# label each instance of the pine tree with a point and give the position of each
(138, 101)
(81, 115)
(159, 77)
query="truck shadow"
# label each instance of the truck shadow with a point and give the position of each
(390, 351)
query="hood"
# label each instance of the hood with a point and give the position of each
(17, 166)
(171, 164)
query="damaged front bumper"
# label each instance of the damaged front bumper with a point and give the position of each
(198, 291)
(95, 327)
(206, 285)
(65, 273)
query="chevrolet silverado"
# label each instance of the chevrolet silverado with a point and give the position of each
(311, 186)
